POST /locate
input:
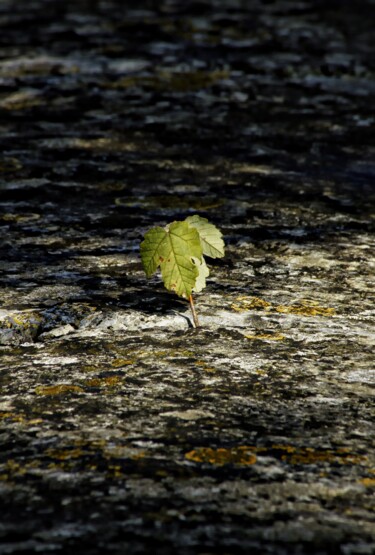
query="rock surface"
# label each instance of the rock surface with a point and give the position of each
(123, 428)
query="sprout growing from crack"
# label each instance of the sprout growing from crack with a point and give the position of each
(179, 250)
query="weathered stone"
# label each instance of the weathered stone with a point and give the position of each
(57, 332)
(123, 428)
(18, 327)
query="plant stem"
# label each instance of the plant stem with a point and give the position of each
(195, 317)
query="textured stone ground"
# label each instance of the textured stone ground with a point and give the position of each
(123, 429)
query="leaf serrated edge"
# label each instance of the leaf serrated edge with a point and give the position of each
(146, 247)
(208, 248)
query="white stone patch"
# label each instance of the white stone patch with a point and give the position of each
(225, 318)
(36, 63)
(312, 260)
(57, 360)
(6, 406)
(361, 283)
(320, 399)
(58, 332)
(127, 66)
(361, 376)
(240, 363)
(189, 414)
(133, 321)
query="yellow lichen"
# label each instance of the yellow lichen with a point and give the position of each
(80, 454)
(12, 468)
(290, 455)
(288, 448)
(89, 368)
(20, 218)
(11, 416)
(20, 418)
(58, 389)
(21, 100)
(306, 308)
(9, 165)
(205, 366)
(368, 482)
(177, 353)
(316, 457)
(65, 454)
(115, 471)
(310, 455)
(266, 337)
(302, 308)
(108, 381)
(118, 362)
(245, 303)
(241, 455)
(26, 321)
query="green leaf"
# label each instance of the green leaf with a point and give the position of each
(203, 272)
(150, 250)
(210, 236)
(173, 249)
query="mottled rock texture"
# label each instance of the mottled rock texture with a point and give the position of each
(124, 429)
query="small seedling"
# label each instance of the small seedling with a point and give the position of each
(179, 250)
